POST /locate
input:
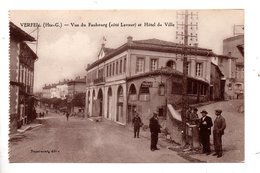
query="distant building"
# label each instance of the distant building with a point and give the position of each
(232, 65)
(58, 90)
(46, 91)
(145, 75)
(22, 60)
(75, 88)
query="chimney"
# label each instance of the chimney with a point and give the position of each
(129, 39)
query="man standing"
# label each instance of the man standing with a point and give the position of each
(194, 118)
(218, 131)
(205, 131)
(154, 129)
(67, 115)
(137, 123)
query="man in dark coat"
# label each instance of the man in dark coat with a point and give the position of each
(154, 129)
(218, 131)
(67, 115)
(137, 123)
(194, 118)
(205, 131)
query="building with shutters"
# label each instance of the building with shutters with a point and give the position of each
(231, 64)
(144, 75)
(22, 59)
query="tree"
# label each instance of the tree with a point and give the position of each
(79, 100)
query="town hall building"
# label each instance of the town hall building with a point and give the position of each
(144, 76)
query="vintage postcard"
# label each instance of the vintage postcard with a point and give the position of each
(126, 86)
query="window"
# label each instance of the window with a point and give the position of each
(124, 69)
(154, 64)
(24, 73)
(177, 87)
(132, 90)
(202, 89)
(110, 69)
(205, 90)
(29, 78)
(171, 64)
(140, 65)
(230, 86)
(144, 90)
(117, 67)
(242, 73)
(113, 70)
(120, 66)
(161, 90)
(21, 74)
(190, 86)
(144, 93)
(188, 67)
(199, 69)
(195, 88)
(107, 70)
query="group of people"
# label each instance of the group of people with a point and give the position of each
(41, 114)
(204, 123)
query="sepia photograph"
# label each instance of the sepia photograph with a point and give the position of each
(126, 86)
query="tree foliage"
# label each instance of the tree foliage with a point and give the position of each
(79, 99)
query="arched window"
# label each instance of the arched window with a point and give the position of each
(100, 103)
(93, 94)
(120, 100)
(171, 64)
(132, 90)
(144, 92)
(109, 102)
(132, 93)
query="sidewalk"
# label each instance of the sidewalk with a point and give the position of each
(20, 132)
(163, 142)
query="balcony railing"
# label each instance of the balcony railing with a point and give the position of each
(100, 80)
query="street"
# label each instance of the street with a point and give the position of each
(85, 141)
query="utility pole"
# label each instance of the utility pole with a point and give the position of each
(184, 40)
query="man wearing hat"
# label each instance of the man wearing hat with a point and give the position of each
(205, 131)
(137, 123)
(218, 131)
(194, 118)
(154, 129)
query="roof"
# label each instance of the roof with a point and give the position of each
(81, 80)
(163, 71)
(54, 85)
(241, 49)
(153, 45)
(237, 37)
(106, 50)
(239, 63)
(227, 56)
(218, 68)
(19, 34)
(27, 51)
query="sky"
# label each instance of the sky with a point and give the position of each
(64, 52)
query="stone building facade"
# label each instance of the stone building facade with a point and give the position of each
(145, 75)
(21, 67)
